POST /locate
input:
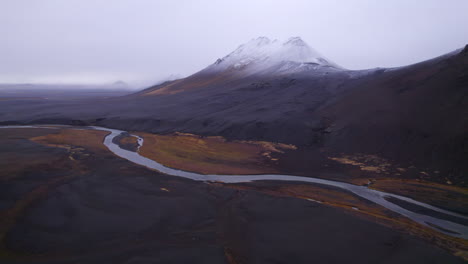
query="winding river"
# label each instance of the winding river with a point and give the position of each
(378, 197)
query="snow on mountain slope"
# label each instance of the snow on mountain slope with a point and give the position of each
(262, 53)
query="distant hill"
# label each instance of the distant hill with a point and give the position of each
(63, 91)
(287, 92)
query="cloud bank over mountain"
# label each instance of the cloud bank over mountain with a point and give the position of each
(145, 41)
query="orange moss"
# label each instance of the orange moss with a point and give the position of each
(447, 196)
(210, 155)
(370, 163)
(189, 83)
(89, 139)
(12, 163)
(129, 140)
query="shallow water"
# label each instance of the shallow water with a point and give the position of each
(378, 197)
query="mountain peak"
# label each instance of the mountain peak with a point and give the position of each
(296, 41)
(120, 84)
(261, 41)
(261, 53)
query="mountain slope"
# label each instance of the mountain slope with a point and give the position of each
(417, 113)
(414, 115)
(258, 58)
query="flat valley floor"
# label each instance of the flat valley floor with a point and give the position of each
(65, 198)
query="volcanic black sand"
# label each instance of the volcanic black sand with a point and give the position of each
(75, 204)
(66, 199)
(414, 116)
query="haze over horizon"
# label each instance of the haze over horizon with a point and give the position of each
(141, 42)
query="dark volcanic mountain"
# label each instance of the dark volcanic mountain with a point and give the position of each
(287, 92)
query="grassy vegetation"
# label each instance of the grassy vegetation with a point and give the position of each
(211, 155)
(129, 140)
(383, 175)
(194, 83)
(14, 164)
(65, 138)
(445, 196)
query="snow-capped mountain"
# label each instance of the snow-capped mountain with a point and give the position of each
(262, 53)
(260, 57)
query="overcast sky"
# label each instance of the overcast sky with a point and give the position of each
(135, 41)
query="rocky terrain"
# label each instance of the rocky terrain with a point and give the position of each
(413, 116)
(267, 107)
(91, 206)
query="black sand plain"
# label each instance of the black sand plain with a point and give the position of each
(112, 211)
